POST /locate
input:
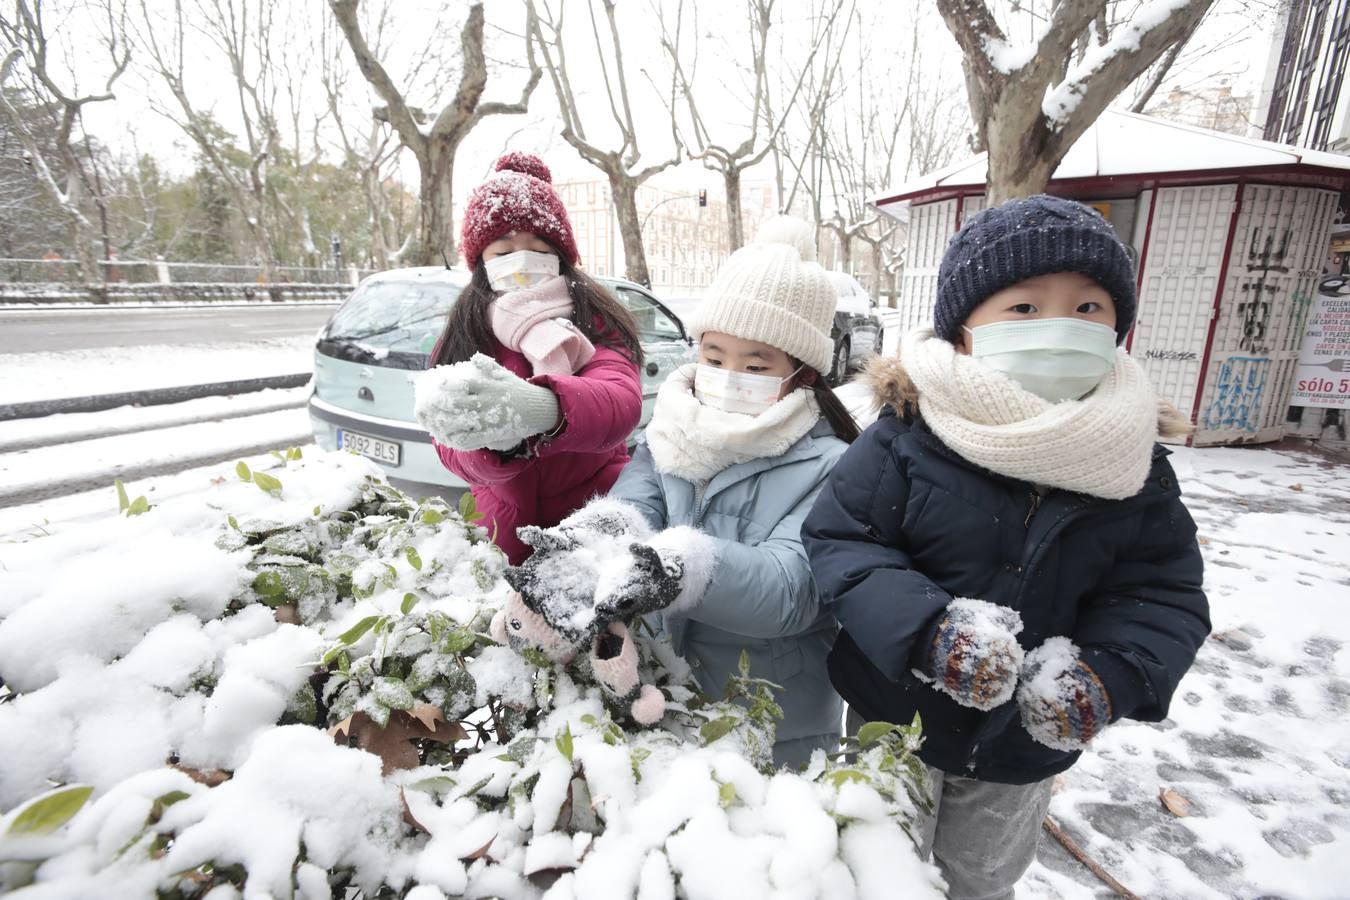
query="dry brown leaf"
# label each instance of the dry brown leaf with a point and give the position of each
(1235, 638)
(1202, 541)
(219, 479)
(286, 614)
(1059, 784)
(408, 813)
(1175, 803)
(481, 852)
(393, 743)
(1296, 487)
(208, 777)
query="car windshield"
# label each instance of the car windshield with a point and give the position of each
(385, 317)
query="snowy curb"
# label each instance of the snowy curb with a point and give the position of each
(96, 402)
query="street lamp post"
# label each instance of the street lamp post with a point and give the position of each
(337, 259)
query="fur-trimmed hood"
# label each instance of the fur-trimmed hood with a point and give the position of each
(891, 385)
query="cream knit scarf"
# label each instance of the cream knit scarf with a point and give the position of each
(695, 442)
(1100, 445)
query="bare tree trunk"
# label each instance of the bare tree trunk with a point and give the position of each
(623, 188)
(1028, 118)
(435, 148)
(731, 178)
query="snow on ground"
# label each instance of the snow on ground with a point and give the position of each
(108, 370)
(1258, 740)
(17, 434)
(78, 461)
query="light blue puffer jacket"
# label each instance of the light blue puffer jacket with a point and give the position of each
(762, 597)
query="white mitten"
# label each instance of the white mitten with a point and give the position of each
(480, 404)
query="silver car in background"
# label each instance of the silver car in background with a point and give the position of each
(368, 355)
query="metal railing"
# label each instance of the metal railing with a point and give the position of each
(158, 271)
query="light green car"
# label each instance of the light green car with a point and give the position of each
(374, 346)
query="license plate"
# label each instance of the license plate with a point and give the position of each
(378, 449)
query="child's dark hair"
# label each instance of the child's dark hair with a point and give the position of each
(596, 312)
(831, 407)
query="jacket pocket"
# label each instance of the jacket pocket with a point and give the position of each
(787, 661)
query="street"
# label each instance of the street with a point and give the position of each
(36, 331)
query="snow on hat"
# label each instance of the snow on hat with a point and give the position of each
(773, 291)
(519, 197)
(1020, 239)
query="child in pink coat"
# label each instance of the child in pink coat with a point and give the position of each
(534, 386)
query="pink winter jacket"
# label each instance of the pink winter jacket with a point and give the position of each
(601, 405)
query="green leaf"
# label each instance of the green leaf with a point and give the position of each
(839, 777)
(277, 454)
(717, 728)
(726, 794)
(872, 732)
(293, 453)
(270, 585)
(564, 742)
(459, 640)
(138, 506)
(467, 507)
(414, 559)
(47, 812)
(267, 482)
(122, 501)
(318, 511)
(353, 634)
(744, 664)
(234, 523)
(433, 516)
(409, 601)
(241, 469)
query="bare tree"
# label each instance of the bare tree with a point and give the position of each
(728, 158)
(621, 166)
(435, 145)
(246, 38)
(800, 149)
(1030, 103)
(72, 171)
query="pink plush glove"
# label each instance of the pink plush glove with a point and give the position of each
(520, 628)
(614, 660)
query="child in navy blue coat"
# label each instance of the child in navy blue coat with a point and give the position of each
(1006, 549)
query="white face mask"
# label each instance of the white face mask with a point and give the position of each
(523, 268)
(1057, 359)
(737, 392)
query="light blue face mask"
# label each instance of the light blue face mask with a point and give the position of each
(1057, 359)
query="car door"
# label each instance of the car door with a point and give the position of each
(665, 345)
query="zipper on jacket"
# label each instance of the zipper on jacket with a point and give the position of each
(1035, 505)
(700, 491)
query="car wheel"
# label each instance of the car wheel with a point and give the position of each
(839, 368)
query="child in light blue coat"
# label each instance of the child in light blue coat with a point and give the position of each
(738, 447)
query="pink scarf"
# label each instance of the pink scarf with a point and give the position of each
(536, 322)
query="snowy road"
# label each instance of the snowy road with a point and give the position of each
(40, 331)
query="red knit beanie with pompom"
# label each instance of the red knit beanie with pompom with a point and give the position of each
(518, 197)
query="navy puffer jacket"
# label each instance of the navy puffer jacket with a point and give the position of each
(904, 525)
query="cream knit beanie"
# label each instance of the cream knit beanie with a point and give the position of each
(772, 290)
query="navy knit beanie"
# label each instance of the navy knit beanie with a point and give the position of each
(1023, 238)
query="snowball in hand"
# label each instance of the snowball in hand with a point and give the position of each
(478, 404)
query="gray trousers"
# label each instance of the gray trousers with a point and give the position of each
(981, 835)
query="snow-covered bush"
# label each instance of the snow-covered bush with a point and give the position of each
(285, 686)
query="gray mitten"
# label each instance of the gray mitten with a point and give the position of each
(601, 518)
(479, 404)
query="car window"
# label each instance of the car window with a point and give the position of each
(652, 322)
(394, 316)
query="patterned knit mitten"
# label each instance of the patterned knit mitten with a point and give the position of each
(975, 656)
(614, 660)
(1064, 704)
(517, 626)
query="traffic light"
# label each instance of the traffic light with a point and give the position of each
(703, 198)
